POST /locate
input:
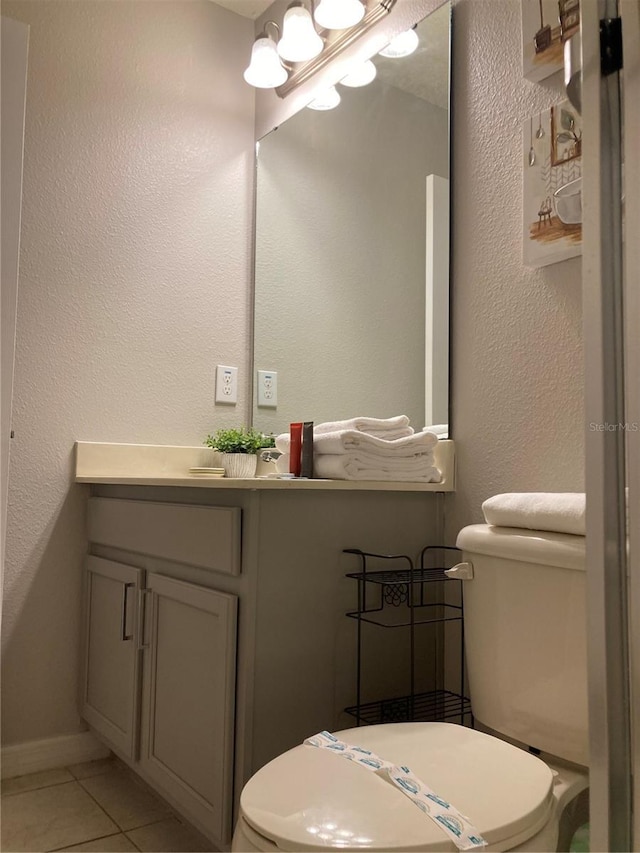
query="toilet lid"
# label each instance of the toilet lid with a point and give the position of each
(310, 799)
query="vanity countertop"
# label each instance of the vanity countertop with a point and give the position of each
(166, 465)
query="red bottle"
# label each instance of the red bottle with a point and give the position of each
(295, 454)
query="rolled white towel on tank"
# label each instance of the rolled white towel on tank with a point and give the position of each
(559, 512)
(349, 466)
(346, 441)
(391, 428)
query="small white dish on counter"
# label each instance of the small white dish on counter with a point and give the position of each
(207, 472)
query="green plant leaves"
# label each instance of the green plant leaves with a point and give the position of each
(243, 440)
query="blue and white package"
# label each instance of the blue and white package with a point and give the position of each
(456, 826)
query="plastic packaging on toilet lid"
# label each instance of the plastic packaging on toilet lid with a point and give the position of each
(307, 799)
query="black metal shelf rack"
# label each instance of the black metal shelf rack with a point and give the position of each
(399, 597)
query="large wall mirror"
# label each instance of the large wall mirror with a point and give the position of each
(352, 250)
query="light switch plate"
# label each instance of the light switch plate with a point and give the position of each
(226, 384)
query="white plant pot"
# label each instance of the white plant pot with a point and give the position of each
(239, 464)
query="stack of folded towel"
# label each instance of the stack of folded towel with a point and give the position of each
(369, 449)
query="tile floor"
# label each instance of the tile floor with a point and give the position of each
(98, 806)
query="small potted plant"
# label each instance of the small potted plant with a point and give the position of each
(239, 449)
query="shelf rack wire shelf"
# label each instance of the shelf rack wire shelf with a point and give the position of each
(398, 597)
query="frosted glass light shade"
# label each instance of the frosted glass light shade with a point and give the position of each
(402, 45)
(326, 101)
(300, 42)
(360, 76)
(265, 70)
(338, 14)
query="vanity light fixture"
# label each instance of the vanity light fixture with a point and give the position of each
(402, 45)
(338, 14)
(300, 41)
(299, 51)
(363, 75)
(265, 70)
(328, 100)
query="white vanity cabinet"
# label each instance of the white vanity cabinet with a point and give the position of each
(160, 658)
(216, 635)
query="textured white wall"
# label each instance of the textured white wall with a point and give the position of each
(340, 256)
(517, 382)
(134, 281)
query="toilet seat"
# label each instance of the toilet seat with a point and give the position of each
(308, 799)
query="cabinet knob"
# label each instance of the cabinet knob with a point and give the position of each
(460, 572)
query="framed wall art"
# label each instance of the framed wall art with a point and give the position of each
(552, 186)
(546, 25)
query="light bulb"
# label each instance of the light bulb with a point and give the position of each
(326, 101)
(402, 45)
(299, 41)
(338, 14)
(361, 76)
(265, 70)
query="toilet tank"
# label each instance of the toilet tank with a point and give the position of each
(525, 636)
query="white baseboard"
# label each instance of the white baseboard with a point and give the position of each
(50, 753)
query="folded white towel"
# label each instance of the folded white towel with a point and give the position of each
(562, 512)
(345, 441)
(441, 430)
(349, 467)
(397, 427)
(408, 464)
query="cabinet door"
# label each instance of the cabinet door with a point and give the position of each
(110, 692)
(188, 705)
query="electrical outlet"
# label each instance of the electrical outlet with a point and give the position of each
(226, 384)
(268, 389)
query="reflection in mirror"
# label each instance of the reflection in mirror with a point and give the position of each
(352, 254)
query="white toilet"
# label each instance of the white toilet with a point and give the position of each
(525, 640)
